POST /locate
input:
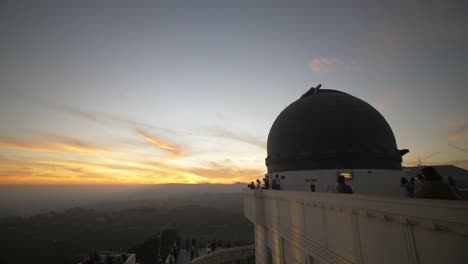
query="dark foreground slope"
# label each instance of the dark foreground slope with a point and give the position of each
(61, 237)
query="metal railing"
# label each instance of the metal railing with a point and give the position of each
(226, 255)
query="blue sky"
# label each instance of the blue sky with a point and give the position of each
(187, 92)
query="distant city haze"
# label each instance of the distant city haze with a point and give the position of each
(31, 200)
(157, 92)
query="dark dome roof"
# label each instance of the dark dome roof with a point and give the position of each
(328, 129)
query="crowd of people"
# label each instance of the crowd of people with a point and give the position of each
(211, 246)
(105, 257)
(429, 184)
(173, 253)
(276, 184)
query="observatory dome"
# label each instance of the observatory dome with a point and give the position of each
(328, 129)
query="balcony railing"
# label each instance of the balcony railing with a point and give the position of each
(228, 255)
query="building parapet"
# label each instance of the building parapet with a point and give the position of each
(344, 228)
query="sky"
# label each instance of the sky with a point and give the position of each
(149, 92)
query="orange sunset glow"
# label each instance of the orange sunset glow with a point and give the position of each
(136, 95)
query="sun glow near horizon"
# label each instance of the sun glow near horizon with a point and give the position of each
(57, 164)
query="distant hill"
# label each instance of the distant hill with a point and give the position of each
(459, 175)
(30, 200)
(60, 237)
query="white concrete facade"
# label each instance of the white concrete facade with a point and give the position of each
(364, 181)
(305, 227)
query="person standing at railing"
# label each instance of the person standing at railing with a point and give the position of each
(208, 247)
(170, 259)
(455, 191)
(276, 183)
(342, 187)
(193, 250)
(266, 184)
(418, 181)
(434, 187)
(312, 187)
(258, 185)
(213, 245)
(406, 187)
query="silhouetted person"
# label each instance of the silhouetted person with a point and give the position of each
(455, 191)
(266, 184)
(171, 259)
(276, 183)
(433, 186)
(108, 259)
(219, 246)
(213, 245)
(342, 187)
(258, 185)
(407, 187)
(418, 181)
(252, 185)
(312, 187)
(193, 249)
(208, 247)
(175, 250)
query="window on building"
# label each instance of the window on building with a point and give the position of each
(346, 174)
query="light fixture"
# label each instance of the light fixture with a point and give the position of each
(346, 174)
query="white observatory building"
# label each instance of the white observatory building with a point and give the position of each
(325, 134)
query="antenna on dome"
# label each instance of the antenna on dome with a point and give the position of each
(312, 90)
(317, 88)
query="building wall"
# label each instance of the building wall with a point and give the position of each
(302, 227)
(372, 182)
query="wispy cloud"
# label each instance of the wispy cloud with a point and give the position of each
(324, 65)
(457, 136)
(90, 115)
(215, 170)
(175, 150)
(457, 147)
(52, 146)
(107, 118)
(459, 133)
(57, 171)
(454, 135)
(245, 138)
